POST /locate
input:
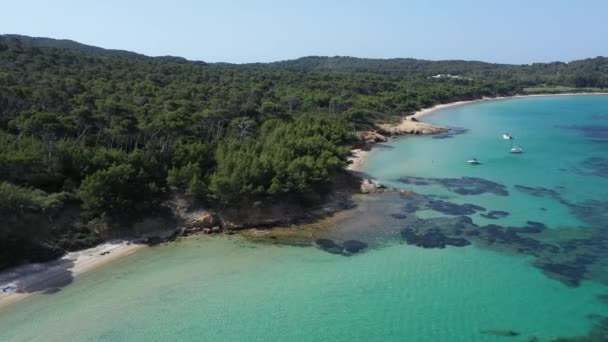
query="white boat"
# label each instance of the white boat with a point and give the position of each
(507, 136)
(516, 149)
(473, 161)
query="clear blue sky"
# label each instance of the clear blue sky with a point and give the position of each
(510, 31)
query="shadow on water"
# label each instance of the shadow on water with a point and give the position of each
(361, 174)
(47, 278)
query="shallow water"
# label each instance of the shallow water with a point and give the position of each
(551, 130)
(233, 289)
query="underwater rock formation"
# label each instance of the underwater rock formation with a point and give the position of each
(329, 246)
(354, 246)
(569, 274)
(431, 239)
(495, 214)
(451, 133)
(450, 208)
(539, 191)
(595, 133)
(498, 332)
(349, 247)
(461, 186)
(595, 166)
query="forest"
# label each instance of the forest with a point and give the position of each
(88, 134)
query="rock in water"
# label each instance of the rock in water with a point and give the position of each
(329, 246)
(505, 333)
(432, 239)
(354, 246)
(399, 216)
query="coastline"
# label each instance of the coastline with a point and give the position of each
(36, 278)
(359, 156)
(33, 278)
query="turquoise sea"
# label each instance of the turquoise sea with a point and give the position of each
(493, 277)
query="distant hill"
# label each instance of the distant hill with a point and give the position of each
(73, 45)
(394, 66)
(591, 72)
(70, 45)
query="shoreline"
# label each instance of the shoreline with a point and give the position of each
(426, 111)
(359, 156)
(34, 278)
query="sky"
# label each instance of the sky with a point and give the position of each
(241, 31)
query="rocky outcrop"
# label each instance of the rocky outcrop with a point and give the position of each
(202, 219)
(408, 126)
(371, 137)
(370, 186)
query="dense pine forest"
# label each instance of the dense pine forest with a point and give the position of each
(90, 135)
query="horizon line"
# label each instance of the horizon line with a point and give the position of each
(294, 58)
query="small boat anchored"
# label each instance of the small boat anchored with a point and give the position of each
(507, 136)
(473, 161)
(516, 149)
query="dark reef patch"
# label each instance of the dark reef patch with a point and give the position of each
(431, 239)
(354, 246)
(503, 333)
(399, 216)
(603, 298)
(329, 246)
(592, 212)
(598, 332)
(451, 133)
(594, 166)
(450, 208)
(532, 227)
(539, 191)
(571, 274)
(461, 186)
(595, 133)
(495, 214)
(556, 253)
(347, 248)
(569, 255)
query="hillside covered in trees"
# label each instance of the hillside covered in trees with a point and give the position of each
(88, 135)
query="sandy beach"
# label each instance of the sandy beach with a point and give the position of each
(358, 158)
(26, 280)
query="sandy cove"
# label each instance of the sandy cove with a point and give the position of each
(28, 279)
(411, 125)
